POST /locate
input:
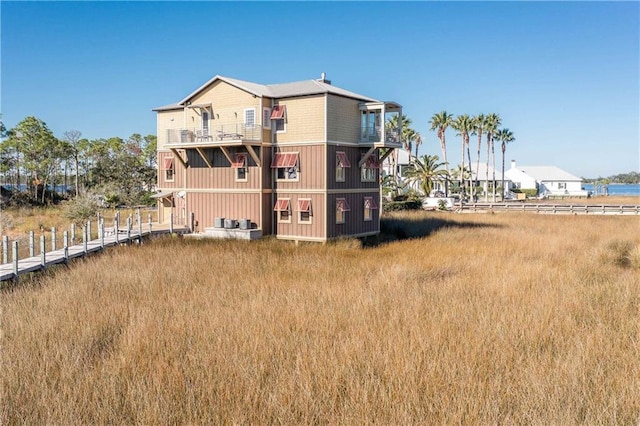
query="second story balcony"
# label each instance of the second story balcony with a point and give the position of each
(223, 134)
(381, 124)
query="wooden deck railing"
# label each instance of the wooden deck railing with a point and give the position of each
(548, 208)
(133, 230)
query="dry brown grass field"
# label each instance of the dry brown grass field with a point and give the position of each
(470, 319)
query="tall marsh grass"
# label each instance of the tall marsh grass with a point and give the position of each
(474, 319)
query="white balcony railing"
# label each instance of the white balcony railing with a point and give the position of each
(368, 134)
(219, 133)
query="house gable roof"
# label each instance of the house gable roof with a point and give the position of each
(549, 173)
(282, 90)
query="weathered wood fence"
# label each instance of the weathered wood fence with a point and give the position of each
(73, 246)
(548, 208)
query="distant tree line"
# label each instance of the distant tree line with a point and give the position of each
(37, 168)
(628, 178)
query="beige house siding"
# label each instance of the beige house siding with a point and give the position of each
(343, 116)
(305, 120)
(168, 120)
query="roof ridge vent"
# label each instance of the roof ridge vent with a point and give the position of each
(323, 78)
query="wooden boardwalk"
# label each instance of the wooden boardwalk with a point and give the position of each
(16, 267)
(549, 208)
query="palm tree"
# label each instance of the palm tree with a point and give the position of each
(463, 124)
(424, 171)
(505, 136)
(479, 122)
(441, 121)
(418, 142)
(407, 134)
(493, 121)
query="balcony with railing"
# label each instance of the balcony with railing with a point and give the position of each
(216, 135)
(377, 135)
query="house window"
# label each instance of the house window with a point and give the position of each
(283, 209)
(205, 123)
(341, 207)
(240, 164)
(562, 185)
(369, 171)
(286, 165)
(304, 211)
(369, 206)
(249, 118)
(279, 115)
(266, 118)
(169, 170)
(342, 162)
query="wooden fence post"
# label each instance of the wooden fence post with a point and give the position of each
(53, 239)
(65, 244)
(149, 223)
(84, 239)
(32, 244)
(43, 249)
(73, 234)
(15, 259)
(139, 230)
(101, 232)
(5, 249)
(171, 223)
(129, 220)
(88, 230)
(192, 218)
(115, 229)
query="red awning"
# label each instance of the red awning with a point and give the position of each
(282, 205)
(239, 160)
(304, 205)
(371, 163)
(342, 160)
(342, 205)
(284, 160)
(168, 163)
(369, 203)
(278, 112)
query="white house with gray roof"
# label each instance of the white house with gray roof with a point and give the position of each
(548, 180)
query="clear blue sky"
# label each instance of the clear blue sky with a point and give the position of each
(564, 76)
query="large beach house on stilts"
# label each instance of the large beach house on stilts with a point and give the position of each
(296, 160)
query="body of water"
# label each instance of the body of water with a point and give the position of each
(613, 189)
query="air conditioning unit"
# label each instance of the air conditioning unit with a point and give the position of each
(244, 224)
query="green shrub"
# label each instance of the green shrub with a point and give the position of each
(530, 192)
(394, 206)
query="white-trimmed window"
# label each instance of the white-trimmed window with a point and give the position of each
(369, 206)
(169, 170)
(249, 118)
(342, 162)
(279, 116)
(286, 165)
(240, 164)
(305, 213)
(369, 171)
(266, 118)
(341, 207)
(283, 209)
(562, 185)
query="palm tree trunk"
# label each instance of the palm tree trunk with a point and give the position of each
(470, 169)
(443, 146)
(493, 152)
(462, 174)
(478, 159)
(486, 172)
(504, 148)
